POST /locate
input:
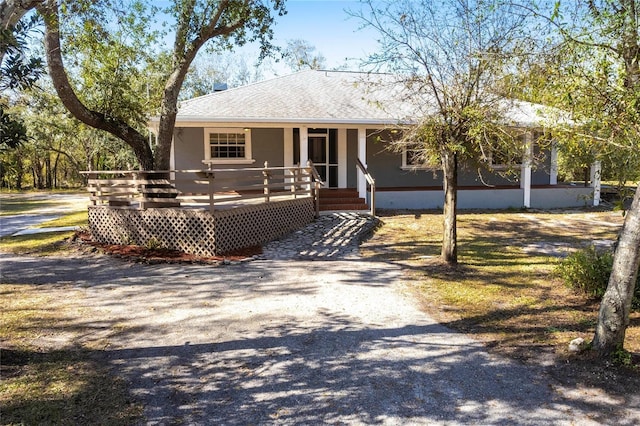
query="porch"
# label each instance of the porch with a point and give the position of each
(221, 211)
(215, 211)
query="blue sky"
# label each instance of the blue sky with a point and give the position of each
(327, 26)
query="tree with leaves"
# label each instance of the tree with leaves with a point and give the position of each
(223, 24)
(449, 55)
(299, 55)
(18, 70)
(598, 82)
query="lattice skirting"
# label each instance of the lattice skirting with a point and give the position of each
(197, 231)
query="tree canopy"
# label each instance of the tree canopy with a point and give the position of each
(451, 56)
(104, 55)
(598, 81)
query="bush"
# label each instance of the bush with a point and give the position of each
(588, 271)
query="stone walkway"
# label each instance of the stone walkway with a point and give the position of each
(332, 236)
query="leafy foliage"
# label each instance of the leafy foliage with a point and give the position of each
(589, 69)
(588, 271)
(117, 67)
(18, 70)
(299, 55)
(450, 55)
(12, 132)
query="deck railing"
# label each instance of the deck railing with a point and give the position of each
(207, 188)
(372, 185)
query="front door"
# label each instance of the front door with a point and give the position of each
(323, 153)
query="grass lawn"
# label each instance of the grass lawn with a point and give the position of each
(69, 214)
(504, 291)
(48, 378)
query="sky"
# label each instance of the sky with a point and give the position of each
(323, 24)
(327, 26)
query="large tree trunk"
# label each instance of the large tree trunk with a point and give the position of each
(11, 11)
(450, 235)
(168, 113)
(613, 318)
(98, 120)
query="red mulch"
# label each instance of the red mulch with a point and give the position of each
(161, 255)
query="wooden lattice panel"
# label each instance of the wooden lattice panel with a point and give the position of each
(197, 231)
(252, 225)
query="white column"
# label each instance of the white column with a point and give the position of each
(304, 146)
(553, 178)
(342, 158)
(172, 159)
(525, 173)
(362, 155)
(596, 182)
(288, 160)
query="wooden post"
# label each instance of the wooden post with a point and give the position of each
(314, 187)
(210, 176)
(96, 184)
(294, 181)
(265, 181)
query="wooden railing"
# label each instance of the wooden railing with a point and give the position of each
(208, 188)
(372, 184)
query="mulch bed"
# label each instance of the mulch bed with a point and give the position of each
(143, 254)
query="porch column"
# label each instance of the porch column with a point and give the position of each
(553, 172)
(596, 182)
(342, 158)
(288, 160)
(362, 155)
(525, 173)
(304, 146)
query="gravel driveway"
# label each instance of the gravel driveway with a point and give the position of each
(294, 342)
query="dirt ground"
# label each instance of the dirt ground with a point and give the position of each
(293, 342)
(608, 380)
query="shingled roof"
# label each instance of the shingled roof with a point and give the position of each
(310, 96)
(314, 96)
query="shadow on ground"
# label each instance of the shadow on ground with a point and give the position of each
(293, 342)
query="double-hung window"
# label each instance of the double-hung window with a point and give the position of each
(227, 146)
(413, 159)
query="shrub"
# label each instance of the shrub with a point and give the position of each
(588, 271)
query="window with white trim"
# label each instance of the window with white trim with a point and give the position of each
(227, 145)
(412, 159)
(506, 158)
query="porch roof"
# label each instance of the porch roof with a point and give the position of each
(314, 96)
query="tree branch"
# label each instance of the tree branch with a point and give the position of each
(57, 71)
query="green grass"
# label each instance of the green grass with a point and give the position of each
(64, 385)
(47, 243)
(14, 206)
(71, 219)
(44, 244)
(503, 291)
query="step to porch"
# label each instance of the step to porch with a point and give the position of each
(341, 200)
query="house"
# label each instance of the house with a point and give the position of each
(334, 118)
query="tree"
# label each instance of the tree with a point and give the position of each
(223, 23)
(603, 91)
(299, 55)
(208, 72)
(590, 69)
(12, 11)
(17, 69)
(450, 56)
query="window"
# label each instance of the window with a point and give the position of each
(507, 157)
(413, 159)
(228, 146)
